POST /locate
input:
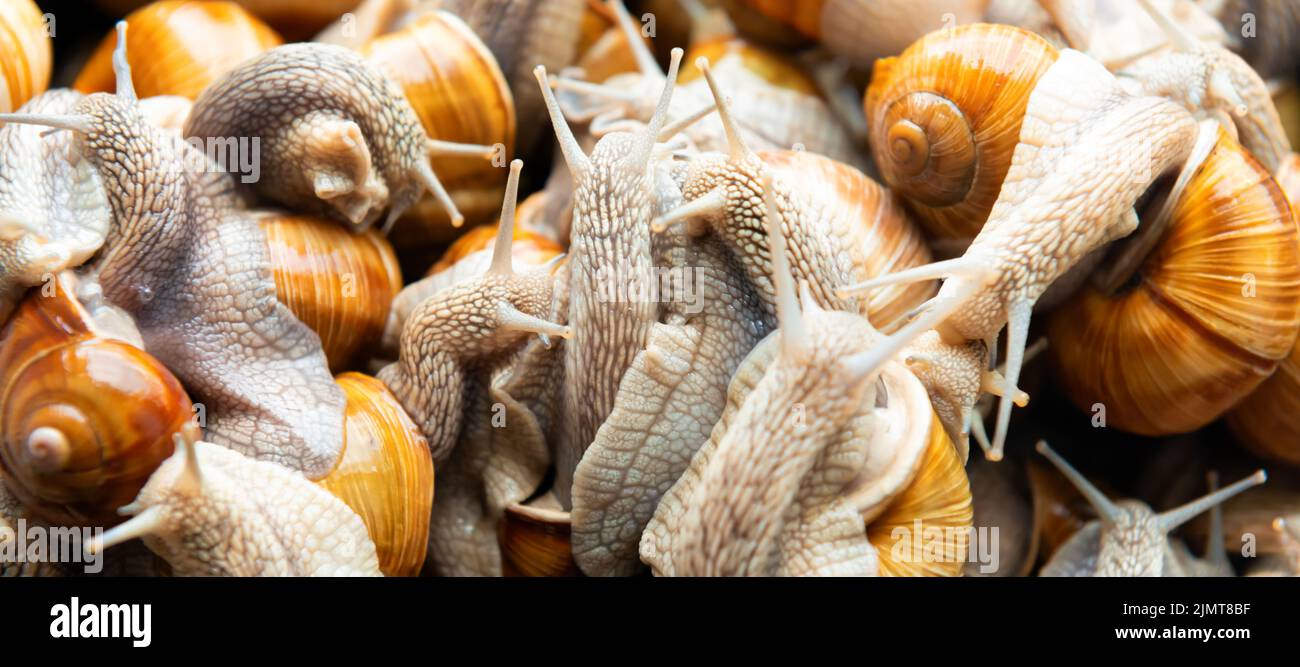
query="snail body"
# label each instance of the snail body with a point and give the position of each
(54, 212)
(763, 496)
(191, 269)
(210, 511)
(86, 416)
(350, 147)
(1129, 539)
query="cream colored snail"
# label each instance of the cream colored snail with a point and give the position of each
(190, 267)
(1128, 539)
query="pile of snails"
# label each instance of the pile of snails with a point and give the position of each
(279, 297)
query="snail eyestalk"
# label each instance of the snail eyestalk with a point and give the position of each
(712, 203)
(502, 263)
(1105, 508)
(672, 129)
(735, 144)
(794, 336)
(437, 148)
(1178, 516)
(660, 118)
(577, 161)
(74, 122)
(122, 67)
(933, 271)
(645, 60)
(439, 192)
(145, 523)
(1018, 315)
(509, 317)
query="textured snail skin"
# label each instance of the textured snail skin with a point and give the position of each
(762, 497)
(666, 407)
(192, 270)
(58, 197)
(335, 136)
(247, 518)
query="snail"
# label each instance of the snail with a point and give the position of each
(1214, 561)
(337, 283)
(863, 30)
(179, 48)
(1209, 79)
(785, 103)
(462, 99)
(349, 147)
(191, 269)
(489, 447)
(612, 208)
(824, 204)
(25, 53)
(54, 211)
(815, 457)
(1208, 314)
(1069, 191)
(210, 511)
(1128, 539)
(385, 475)
(86, 415)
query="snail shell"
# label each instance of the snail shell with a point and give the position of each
(179, 47)
(86, 418)
(535, 540)
(385, 474)
(864, 30)
(1268, 421)
(945, 118)
(339, 284)
(460, 95)
(25, 54)
(1212, 311)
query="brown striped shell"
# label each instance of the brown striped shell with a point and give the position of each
(1212, 311)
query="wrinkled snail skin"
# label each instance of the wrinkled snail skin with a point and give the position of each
(820, 441)
(1212, 81)
(192, 270)
(455, 348)
(670, 398)
(336, 137)
(612, 209)
(54, 211)
(210, 511)
(1129, 539)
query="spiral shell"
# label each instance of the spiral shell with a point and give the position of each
(85, 418)
(945, 117)
(385, 474)
(179, 47)
(339, 284)
(460, 95)
(25, 53)
(1213, 310)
